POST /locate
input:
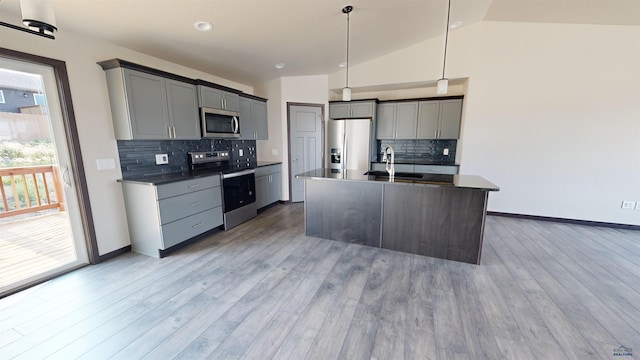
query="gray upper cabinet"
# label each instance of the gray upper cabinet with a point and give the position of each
(397, 120)
(146, 97)
(439, 119)
(218, 99)
(386, 118)
(450, 116)
(147, 106)
(183, 110)
(352, 109)
(253, 119)
(260, 119)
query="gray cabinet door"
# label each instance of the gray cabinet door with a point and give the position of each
(210, 97)
(260, 119)
(362, 109)
(450, 115)
(146, 99)
(231, 101)
(275, 187)
(246, 119)
(339, 110)
(183, 109)
(406, 120)
(428, 114)
(262, 191)
(386, 118)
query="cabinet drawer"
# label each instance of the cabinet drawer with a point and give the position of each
(436, 169)
(178, 231)
(268, 170)
(181, 206)
(187, 186)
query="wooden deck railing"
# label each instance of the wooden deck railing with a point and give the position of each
(29, 189)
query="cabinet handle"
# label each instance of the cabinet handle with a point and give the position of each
(195, 203)
(193, 186)
(196, 225)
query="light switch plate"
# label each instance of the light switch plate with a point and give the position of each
(274, 152)
(106, 164)
(162, 159)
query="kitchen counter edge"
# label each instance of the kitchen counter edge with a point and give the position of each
(168, 178)
(459, 181)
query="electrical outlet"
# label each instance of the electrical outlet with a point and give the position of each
(628, 205)
(240, 152)
(274, 152)
(637, 205)
(445, 152)
(162, 159)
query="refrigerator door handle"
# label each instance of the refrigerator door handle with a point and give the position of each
(343, 160)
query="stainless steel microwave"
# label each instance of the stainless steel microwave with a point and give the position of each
(218, 123)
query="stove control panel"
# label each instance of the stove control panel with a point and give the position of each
(202, 157)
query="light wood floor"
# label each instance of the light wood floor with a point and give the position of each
(263, 290)
(34, 245)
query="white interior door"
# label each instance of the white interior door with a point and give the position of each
(305, 145)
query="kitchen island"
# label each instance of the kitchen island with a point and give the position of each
(435, 215)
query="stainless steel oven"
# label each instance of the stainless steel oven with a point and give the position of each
(218, 123)
(239, 194)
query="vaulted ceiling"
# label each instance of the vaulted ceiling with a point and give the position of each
(309, 36)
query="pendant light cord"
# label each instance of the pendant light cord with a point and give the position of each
(347, 79)
(446, 39)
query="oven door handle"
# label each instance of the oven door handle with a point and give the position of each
(239, 173)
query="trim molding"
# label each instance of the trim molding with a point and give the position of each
(568, 221)
(114, 253)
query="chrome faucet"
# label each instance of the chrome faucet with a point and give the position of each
(388, 152)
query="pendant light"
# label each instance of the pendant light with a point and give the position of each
(38, 17)
(346, 91)
(443, 83)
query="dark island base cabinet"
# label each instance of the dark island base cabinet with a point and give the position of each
(348, 212)
(441, 222)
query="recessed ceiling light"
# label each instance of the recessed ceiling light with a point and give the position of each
(203, 26)
(455, 25)
(344, 64)
(279, 65)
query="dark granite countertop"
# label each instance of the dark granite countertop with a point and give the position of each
(418, 162)
(439, 180)
(159, 179)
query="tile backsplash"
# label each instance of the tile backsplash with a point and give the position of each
(137, 157)
(420, 151)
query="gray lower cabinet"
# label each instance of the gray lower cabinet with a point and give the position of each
(439, 119)
(162, 216)
(218, 99)
(268, 185)
(397, 120)
(423, 169)
(253, 119)
(147, 106)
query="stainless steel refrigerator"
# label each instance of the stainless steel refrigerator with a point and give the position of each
(349, 144)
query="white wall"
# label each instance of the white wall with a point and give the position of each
(93, 117)
(551, 112)
(294, 89)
